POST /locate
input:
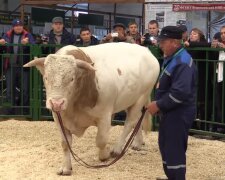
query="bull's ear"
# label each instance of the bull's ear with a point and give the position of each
(85, 65)
(38, 62)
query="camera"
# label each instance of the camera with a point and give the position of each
(44, 38)
(114, 34)
(148, 39)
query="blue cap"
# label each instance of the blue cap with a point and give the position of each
(17, 22)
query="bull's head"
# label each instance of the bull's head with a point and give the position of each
(62, 76)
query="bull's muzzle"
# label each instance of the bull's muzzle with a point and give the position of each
(57, 104)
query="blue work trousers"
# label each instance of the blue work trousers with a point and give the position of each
(173, 138)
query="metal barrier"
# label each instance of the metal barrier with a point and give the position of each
(210, 103)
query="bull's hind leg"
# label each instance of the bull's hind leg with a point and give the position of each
(102, 138)
(133, 114)
(139, 140)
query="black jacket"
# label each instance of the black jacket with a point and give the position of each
(79, 42)
(67, 39)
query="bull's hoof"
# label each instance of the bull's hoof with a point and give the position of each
(114, 154)
(137, 145)
(103, 160)
(64, 172)
(136, 148)
(104, 154)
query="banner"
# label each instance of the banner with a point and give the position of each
(198, 7)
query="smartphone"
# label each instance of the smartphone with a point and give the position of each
(114, 34)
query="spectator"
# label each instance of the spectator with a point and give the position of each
(13, 66)
(219, 42)
(118, 35)
(197, 39)
(86, 38)
(133, 32)
(58, 36)
(151, 37)
(217, 37)
(150, 40)
(175, 102)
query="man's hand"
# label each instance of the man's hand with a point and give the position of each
(2, 41)
(154, 42)
(108, 37)
(221, 45)
(186, 44)
(214, 43)
(25, 40)
(153, 108)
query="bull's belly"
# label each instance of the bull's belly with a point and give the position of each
(125, 101)
(129, 91)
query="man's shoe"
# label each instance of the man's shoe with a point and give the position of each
(162, 178)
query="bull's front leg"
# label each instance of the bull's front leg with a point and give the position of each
(66, 168)
(102, 138)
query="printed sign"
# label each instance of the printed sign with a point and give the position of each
(198, 7)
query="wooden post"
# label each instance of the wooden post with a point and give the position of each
(22, 10)
(143, 18)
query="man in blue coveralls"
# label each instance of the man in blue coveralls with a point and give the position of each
(174, 102)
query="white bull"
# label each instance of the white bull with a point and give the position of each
(88, 85)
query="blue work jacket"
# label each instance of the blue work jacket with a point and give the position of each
(177, 83)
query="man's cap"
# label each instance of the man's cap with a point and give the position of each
(183, 28)
(119, 25)
(17, 22)
(170, 32)
(57, 20)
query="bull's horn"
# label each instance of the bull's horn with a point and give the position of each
(35, 62)
(85, 65)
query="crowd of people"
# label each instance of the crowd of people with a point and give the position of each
(59, 37)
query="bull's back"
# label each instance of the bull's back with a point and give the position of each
(125, 71)
(124, 62)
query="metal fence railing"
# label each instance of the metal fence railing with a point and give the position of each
(22, 93)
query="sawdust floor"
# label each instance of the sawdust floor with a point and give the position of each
(32, 150)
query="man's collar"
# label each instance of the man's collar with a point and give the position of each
(58, 33)
(171, 56)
